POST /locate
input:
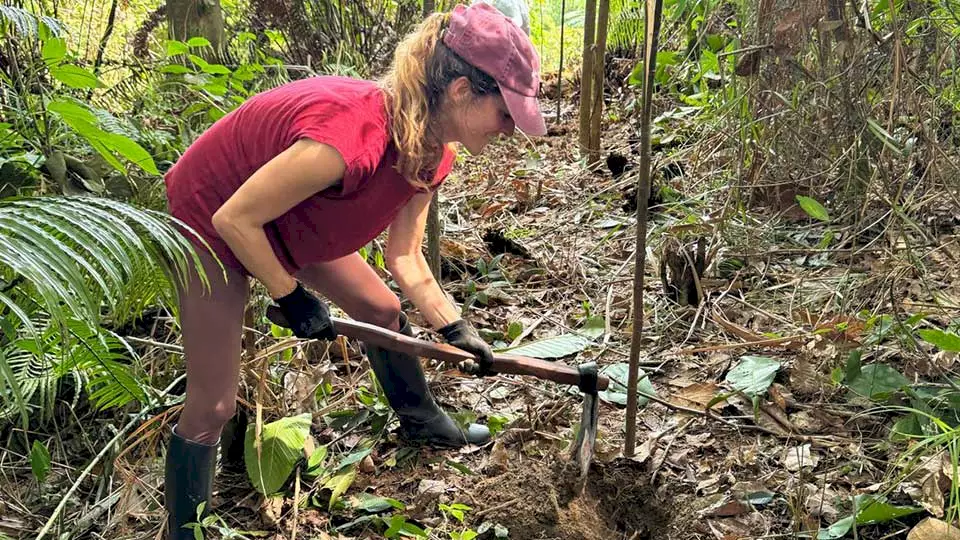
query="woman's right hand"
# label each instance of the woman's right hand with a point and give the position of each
(307, 315)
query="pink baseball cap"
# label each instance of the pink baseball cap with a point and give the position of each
(492, 43)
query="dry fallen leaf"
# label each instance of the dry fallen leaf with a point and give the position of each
(934, 529)
(697, 395)
(725, 507)
(800, 457)
(366, 465)
(270, 511)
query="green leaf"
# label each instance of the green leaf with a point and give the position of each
(594, 327)
(753, 375)
(353, 458)
(617, 391)
(175, 69)
(514, 330)
(813, 208)
(552, 347)
(496, 423)
(72, 111)
(316, 460)
(198, 41)
(339, 484)
(854, 365)
(871, 510)
(53, 51)
(373, 504)
(39, 461)
(877, 381)
(947, 341)
(175, 47)
(75, 76)
(129, 149)
(280, 451)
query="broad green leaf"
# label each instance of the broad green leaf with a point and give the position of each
(281, 449)
(753, 375)
(129, 149)
(947, 341)
(176, 69)
(198, 41)
(216, 69)
(552, 347)
(871, 510)
(339, 484)
(72, 111)
(878, 381)
(617, 391)
(813, 208)
(175, 47)
(75, 76)
(53, 51)
(39, 461)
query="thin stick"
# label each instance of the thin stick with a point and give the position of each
(654, 10)
(93, 462)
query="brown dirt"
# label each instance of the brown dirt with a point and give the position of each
(540, 501)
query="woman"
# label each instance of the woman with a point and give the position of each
(290, 185)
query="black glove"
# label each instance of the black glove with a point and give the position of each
(308, 317)
(463, 336)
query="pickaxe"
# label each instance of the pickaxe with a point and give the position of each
(585, 376)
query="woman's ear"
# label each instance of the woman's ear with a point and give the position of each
(459, 90)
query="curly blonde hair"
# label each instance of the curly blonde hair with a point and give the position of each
(415, 85)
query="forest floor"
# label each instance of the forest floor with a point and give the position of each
(785, 465)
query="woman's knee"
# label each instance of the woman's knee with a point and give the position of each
(383, 312)
(202, 422)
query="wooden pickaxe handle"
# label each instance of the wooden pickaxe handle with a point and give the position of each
(502, 363)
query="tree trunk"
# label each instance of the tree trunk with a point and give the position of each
(192, 18)
(433, 216)
(586, 74)
(599, 61)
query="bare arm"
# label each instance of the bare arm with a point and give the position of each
(295, 174)
(409, 267)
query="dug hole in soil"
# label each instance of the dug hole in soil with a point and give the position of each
(542, 501)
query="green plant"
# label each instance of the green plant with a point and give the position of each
(69, 267)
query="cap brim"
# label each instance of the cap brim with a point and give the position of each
(525, 111)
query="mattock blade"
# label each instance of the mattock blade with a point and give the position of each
(583, 447)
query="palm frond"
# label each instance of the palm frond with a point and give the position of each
(82, 261)
(26, 24)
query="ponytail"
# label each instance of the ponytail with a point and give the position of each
(415, 84)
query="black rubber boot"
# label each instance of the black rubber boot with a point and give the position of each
(422, 421)
(190, 468)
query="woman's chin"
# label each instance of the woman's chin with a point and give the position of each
(475, 149)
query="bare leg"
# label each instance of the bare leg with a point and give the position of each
(351, 284)
(212, 325)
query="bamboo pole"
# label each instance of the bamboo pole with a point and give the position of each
(599, 63)
(586, 71)
(654, 11)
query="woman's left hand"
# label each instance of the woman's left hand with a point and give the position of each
(463, 336)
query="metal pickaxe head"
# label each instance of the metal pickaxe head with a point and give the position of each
(582, 453)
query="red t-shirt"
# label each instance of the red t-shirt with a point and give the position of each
(347, 114)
